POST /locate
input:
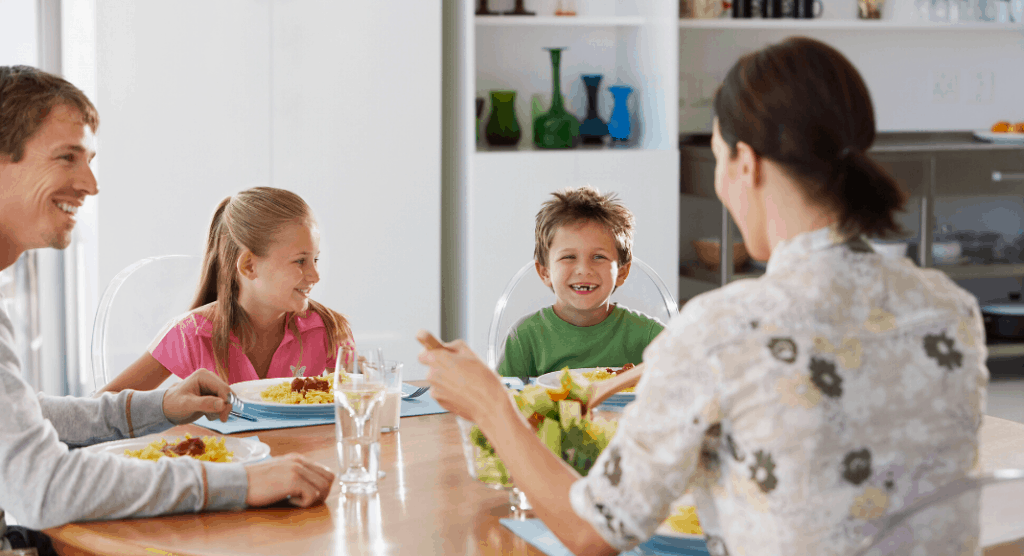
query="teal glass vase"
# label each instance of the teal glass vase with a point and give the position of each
(557, 128)
(502, 128)
(618, 124)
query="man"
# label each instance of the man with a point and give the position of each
(47, 142)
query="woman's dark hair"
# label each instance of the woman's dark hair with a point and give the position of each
(802, 104)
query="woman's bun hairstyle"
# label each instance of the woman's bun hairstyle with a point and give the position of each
(801, 104)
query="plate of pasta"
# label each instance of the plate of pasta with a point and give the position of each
(587, 375)
(289, 396)
(218, 449)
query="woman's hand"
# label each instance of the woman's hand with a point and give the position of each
(461, 382)
(202, 393)
(291, 476)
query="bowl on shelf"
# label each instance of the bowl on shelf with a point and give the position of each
(709, 252)
(946, 252)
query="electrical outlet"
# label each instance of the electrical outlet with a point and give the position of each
(978, 86)
(945, 86)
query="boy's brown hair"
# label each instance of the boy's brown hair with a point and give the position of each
(584, 204)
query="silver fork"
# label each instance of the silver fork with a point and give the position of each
(417, 393)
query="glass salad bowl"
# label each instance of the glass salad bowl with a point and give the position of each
(559, 419)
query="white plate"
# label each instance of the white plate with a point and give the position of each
(249, 393)
(247, 450)
(997, 137)
(551, 380)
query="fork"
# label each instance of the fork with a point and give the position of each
(416, 393)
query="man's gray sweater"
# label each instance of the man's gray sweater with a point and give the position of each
(44, 482)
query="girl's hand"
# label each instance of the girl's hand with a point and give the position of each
(461, 382)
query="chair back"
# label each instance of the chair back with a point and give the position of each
(993, 502)
(136, 305)
(643, 291)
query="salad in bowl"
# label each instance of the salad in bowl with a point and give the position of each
(558, 415)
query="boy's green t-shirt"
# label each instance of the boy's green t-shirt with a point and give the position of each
(543, 343)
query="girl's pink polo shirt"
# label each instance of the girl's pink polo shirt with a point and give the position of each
(186, 344)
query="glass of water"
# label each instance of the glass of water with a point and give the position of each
(359, 391)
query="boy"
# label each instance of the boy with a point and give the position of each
(584, 248)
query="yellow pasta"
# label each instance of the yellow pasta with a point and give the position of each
(684, 520)
(282, 393)
(601, 373)
(215, 450)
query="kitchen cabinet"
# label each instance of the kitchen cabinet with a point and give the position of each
(930, 166)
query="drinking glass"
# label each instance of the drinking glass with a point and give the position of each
(392, 411)
(358, 401)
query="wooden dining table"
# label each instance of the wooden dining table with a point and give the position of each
(426, 504)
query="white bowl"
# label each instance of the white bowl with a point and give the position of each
(946, 252)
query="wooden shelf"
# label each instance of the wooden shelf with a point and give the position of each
(557, 21)
(1005, 350)
(968, 271)
(693, 269)
(786, 24)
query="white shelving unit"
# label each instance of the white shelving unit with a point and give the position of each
(558, 21)
(842, 24)
(498, 191)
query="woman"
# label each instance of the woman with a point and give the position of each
(797, 407)
(252, 317)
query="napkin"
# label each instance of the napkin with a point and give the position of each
(537, 534)
(265, 421)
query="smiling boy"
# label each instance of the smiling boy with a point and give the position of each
(584, 249)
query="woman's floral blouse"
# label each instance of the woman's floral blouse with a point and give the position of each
(837, 388)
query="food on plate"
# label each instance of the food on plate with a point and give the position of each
(684, 520)
(1001, 127)
(206, 448)
(1018, 127)
(558, 416)
(310, 390)
(604, 373)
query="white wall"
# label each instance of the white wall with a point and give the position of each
(898, 66)
(200, 100)
(19, 33)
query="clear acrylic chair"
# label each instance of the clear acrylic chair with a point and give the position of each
(643, 291)
(135, 307)
(995, 500)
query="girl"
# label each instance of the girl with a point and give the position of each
(252, 317)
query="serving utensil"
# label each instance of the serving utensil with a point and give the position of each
(602, 390)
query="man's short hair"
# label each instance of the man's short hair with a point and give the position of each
(26, 97)
(585, 204)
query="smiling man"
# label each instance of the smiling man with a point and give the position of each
(47, 142)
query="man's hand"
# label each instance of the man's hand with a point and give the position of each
(202, 393)
(291, 476)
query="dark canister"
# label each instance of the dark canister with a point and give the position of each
(771, 9)
(807, 9)
(743, 9)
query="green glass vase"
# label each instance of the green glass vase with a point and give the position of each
(502, 127)
(556, 129)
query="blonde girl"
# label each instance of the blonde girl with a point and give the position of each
(252, 317)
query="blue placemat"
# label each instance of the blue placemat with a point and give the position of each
(422, 405)
(537, 534)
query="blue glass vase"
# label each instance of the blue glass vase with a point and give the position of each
(593, 129)
(618, 124)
